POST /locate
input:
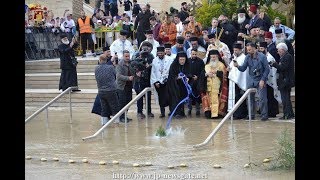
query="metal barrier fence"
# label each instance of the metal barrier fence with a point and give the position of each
(42, 43)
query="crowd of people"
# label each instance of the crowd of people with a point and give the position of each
(219, 62)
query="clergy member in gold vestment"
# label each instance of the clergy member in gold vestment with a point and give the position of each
(213, 85)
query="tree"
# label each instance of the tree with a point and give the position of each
(289, 13)
(208, 10)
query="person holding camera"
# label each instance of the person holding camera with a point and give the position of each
(258, 73)
(142, 70)
(159, 77)
(68, 64)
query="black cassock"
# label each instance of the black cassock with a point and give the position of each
(176, 88)
(163, 94)
(68, 76)
(196, 66)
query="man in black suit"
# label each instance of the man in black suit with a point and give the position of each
(286, 79)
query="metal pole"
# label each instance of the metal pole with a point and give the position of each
(125, 122)
(249, 111)
(70, 120)
(146, 107)
(232, 129)
(47, 116)
(233, 101)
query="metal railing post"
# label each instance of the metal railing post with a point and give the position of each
(123, 110)
(249, 111)
(49, 103)
(125, 122)
(70, 120)
(232, 129)
(218, 127)
(146, 107)
(47, 117)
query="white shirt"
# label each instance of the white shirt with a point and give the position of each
(236, 77)
(67, 25)
(160, 69)
(285, 30)
(179, 29)
(118, 46)
(272, 78)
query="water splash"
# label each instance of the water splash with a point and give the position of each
(173, 131)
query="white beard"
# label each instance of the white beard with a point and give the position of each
(280, 40)
(213, 62)
(241, 20)
(66, 42)
(150, 41)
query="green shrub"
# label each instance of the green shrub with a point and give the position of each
(206, 12)
(272, 13)
(285, 154)
(161, 132)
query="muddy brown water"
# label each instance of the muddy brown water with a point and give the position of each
(58, 138)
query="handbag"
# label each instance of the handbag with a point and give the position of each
(74, 61)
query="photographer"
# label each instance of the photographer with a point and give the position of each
(142, 70)
(258, 73)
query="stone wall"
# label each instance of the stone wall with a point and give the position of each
(58, 6)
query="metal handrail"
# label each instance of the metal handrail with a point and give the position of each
(230, 113)
(123, 110)
(68, 90)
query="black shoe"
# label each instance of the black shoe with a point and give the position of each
(150, 115)
(129, 119)
(198, 113)
(141, 116)
(252, 118)
(264, 119)
(83, 55)
(189, 112)
(75, 90)
(94, 54)
(178, 116)
(162, 116)
(283, 118)
(290, 117)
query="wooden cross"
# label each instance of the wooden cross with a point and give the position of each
(194, 6)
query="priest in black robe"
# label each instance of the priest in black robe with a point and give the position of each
(176, 88)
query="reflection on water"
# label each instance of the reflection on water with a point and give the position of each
(140, 145)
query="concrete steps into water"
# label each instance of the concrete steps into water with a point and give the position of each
(42, 82)
(83, 98)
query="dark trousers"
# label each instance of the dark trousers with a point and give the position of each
(86, 42)
(114, 10)
(107, 9)
(286, 102)
(109, 103)
(242, 111)
(140, 37)
(273, 105)
(138, 87)
(125, 96)
(162, 111)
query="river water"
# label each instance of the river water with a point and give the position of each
(58, 138)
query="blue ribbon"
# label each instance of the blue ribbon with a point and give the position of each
(186, 99)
